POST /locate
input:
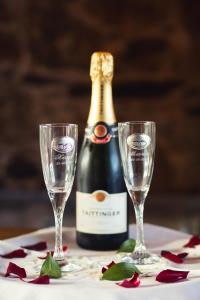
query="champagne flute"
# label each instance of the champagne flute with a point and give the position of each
(137, 148)
(58, 147)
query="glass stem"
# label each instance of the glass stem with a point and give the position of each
(58, 253)
(58, 203)
(140, 246)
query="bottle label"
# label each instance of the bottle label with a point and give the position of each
(101, 133)
(101, 213)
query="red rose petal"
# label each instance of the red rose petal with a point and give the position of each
(20, 273)
(194, 241)
(19, 253)
(168, 276)
(45, 257)
(173, 257)
(37, 247)
(65, 248)
(40, 280)
(14, 269)
(108, 267)
(182, 255)
(132, 283)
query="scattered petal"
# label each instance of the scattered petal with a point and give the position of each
(132, 283)
(19, 253)
(48, 253)
(182, 255)
(168, 276)
(14, 269)
(108, 267)
(65, 248)
(40, 280)
(37, 247)
(20, 273)
(194, 241)
(177, 258)
(43, 257)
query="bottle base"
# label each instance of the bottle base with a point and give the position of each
(101, 242)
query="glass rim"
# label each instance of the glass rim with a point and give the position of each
(136, 122)
(58, 125)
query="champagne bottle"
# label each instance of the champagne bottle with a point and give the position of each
(101, 198)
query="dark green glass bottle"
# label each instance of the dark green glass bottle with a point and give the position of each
(101, 199)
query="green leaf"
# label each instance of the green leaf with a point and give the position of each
(120, 271)
(50, 267)
(127, 246)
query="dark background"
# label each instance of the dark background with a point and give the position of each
(45, 49)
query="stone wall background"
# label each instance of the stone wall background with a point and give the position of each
(45, 49)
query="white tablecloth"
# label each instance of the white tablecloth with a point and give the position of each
(86, 285)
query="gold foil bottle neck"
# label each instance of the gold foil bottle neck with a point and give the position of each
(101, 66)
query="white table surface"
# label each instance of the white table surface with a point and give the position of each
(87, 285)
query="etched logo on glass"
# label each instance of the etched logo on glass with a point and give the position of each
(63, 144)
(138, 141)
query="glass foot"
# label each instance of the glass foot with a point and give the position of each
(144, 258)
(149, 264)
(70, 265)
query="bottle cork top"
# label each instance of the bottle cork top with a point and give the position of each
(101, 66)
